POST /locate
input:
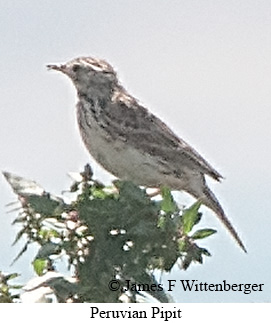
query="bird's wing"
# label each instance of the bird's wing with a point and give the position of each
(135, 125)
(185, 149)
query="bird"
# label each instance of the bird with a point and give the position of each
(132, 143)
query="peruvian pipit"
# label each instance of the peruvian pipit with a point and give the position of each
(130, 142)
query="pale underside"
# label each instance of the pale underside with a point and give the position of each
(149, 157)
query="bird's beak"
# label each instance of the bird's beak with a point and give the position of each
(59, 67)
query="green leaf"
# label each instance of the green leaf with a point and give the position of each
(161, 222)
(186, 262)
(12, 276)
(48, 249)
(197, 256)
(98, 193)
(21, 252)
(129, 191)
(19, 235)
(205, 252)
(46, 234)
(39, 265)
(190, 217)
(168, 204)
(45, 205)
(203, 233)
(182, 244)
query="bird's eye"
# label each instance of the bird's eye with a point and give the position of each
(75, 68)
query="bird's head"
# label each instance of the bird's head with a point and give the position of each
(89, 75)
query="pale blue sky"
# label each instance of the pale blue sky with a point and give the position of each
(204, 67)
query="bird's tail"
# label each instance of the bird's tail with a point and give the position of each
(211, 202)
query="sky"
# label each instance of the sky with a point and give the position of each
(203, 67)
